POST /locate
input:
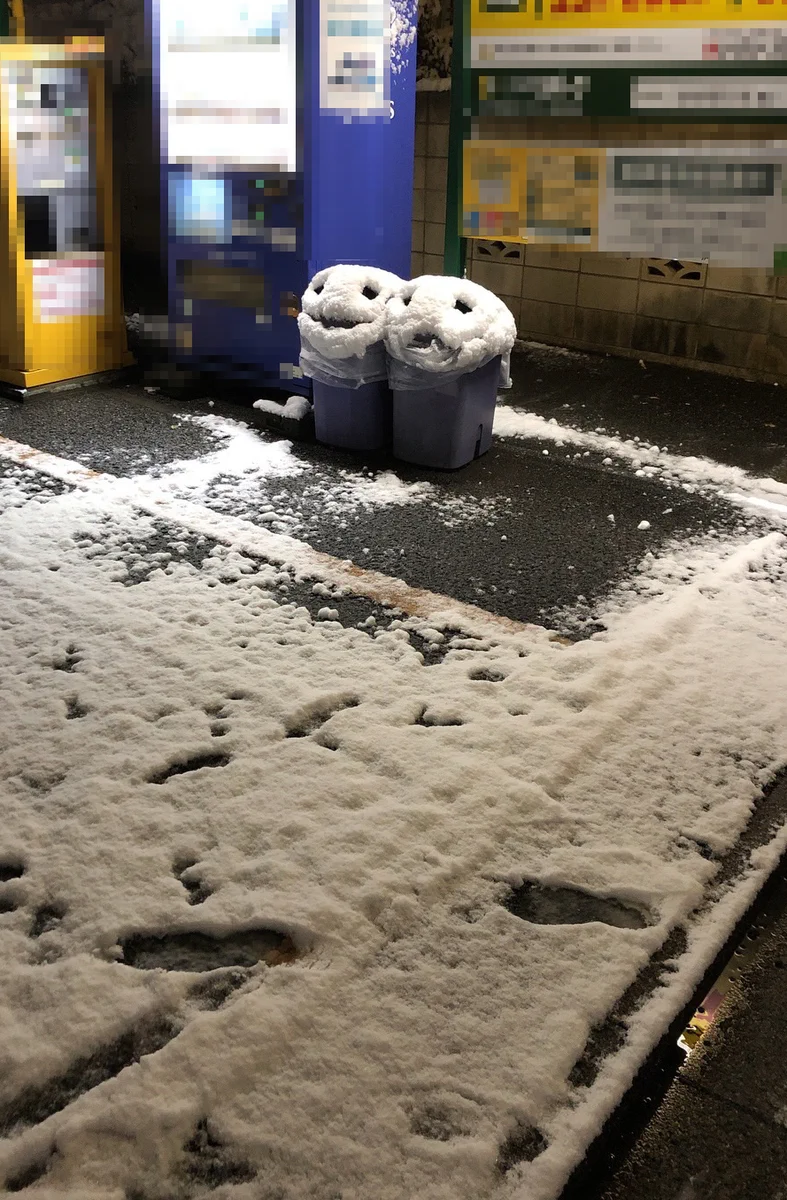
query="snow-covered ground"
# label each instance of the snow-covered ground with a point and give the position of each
(191, 754)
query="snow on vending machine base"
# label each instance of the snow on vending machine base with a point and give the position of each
(287, 145)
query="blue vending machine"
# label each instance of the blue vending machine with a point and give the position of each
(287, 143)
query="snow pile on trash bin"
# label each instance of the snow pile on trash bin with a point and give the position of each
(446, 327)
(342, 324)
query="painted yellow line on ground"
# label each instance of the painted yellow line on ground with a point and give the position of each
(49, 464)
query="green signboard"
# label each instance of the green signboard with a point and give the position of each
(633, 127)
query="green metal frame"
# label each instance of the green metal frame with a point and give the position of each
(455, 252)
(609, 97)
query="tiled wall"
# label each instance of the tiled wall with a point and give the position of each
(712, 317)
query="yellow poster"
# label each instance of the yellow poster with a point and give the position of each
(543, 196)
(518, 16)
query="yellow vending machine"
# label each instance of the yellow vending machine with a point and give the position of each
(61, 314)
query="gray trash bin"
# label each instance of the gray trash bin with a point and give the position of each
(353, 407)
(353, 418)
(342, 328)
(446, 424)
(449, 342)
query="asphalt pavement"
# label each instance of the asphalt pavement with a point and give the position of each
(536, 535)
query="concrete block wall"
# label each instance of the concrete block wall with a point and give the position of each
(732, 321)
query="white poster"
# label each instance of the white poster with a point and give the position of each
(695, 202)
(229, 83)
(759, 94)
(765, 42)
(355, 57)
(72, 287)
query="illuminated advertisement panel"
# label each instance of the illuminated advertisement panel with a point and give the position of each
(228, 83)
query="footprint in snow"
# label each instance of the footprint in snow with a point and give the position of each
(523, 1144)
(219, 715)
(312, 716)
(182, 766)
(209, 1161)
(433, 720)
(191, 950)
(442, 1118)
(488, 674)
(186, 871)
(68, 660)
(45, 918)
(206, 1162)
(75, 710)
(225, 961)
(542, 905)
(11, 869)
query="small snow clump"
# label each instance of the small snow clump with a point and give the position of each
(296, 407)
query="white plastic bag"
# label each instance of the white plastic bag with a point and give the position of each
(352, 372)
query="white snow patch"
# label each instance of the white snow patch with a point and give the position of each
(546, 351)
(404, 29)
(387, 488)
(237, 479)
(296, 407)
(688, 471)
(328, 614)
(440, 324)
(19, 485)
(244, 455)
